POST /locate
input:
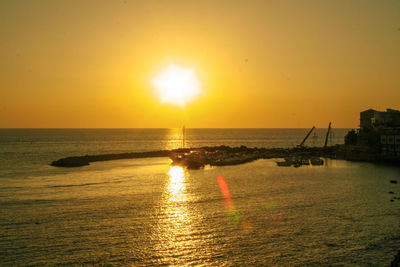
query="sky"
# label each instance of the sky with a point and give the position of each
(259, 64)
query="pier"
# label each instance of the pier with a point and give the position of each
(194, 158)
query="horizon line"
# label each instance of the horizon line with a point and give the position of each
(155, 128)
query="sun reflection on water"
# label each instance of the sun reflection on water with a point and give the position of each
(178, 225)
(176, 187)
(174, 138)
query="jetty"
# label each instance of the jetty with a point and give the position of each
(195, 158)
(79, 161)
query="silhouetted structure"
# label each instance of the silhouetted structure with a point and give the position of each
(195, 158)
(374, 119)
(305, 138)
(378, 136)
(390, 143)
(183, 136)
(327, 135)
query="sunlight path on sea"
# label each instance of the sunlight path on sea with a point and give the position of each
(175, 232)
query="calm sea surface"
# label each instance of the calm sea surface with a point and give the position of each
(146, 212)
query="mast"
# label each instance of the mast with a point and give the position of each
(183, 136)
(327, 135)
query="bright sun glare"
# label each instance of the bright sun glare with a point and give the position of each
(177, 85)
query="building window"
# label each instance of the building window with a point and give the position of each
(390, 139)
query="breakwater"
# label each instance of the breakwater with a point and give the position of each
(79, 161)
(198, 157)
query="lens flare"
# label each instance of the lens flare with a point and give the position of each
(233, 215)
(225, 192)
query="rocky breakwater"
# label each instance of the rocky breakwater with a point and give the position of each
(224, 155)
(195, 158)
(79, 161)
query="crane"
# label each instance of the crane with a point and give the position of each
(327, 135)
(305, 138)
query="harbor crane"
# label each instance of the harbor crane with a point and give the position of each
(305, 138)
(327, 135)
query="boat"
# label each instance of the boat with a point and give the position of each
(317, 161)
(178, 158)
(305, 162)
(284, 163)
(195, 160)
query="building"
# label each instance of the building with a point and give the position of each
(390, 143)
(377, 119)
(380, 131)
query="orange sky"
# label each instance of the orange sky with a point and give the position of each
(260, 63)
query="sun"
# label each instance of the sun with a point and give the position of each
(177, 85)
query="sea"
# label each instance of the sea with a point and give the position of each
(146, 212)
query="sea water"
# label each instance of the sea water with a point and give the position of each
(147, 212)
